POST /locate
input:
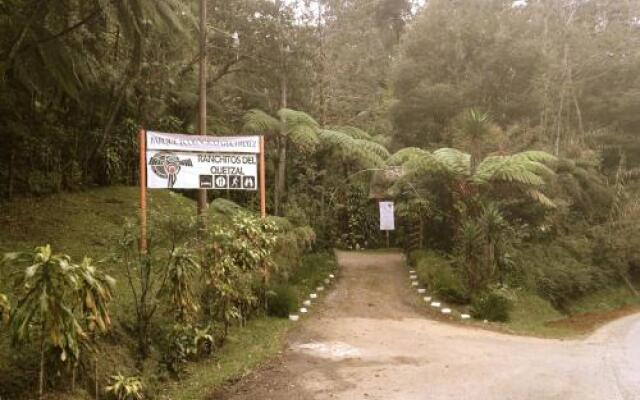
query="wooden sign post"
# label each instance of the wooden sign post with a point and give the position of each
(142, 140)
(263, 196)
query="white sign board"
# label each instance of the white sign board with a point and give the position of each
(179, 142)
(387, 222)
(202, 162)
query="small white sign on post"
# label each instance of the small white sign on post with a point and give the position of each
(387, 222)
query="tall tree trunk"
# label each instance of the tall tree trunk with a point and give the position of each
(282, 174)
(282, 148)
(202, 107)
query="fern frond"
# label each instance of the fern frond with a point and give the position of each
(382, 140)
(334, 138)
(351, 148)
(508, 169)
(541, 198)
(352, 131)
(403, 155)
(295, 117)
(259, 122)
(373, 147)
(224, 207)
(534, 155)
(455, 161)
(303, 136)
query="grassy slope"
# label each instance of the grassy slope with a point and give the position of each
(88, 223)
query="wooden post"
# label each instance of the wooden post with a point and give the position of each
(263, 196)
(388, 244)
(143, 191)
(201, 196)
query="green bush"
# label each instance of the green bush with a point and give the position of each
(283, 301)
(556, 273)
(438, 274)
(491, 305)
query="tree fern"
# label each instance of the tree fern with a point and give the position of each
(259, 122)
(453, 161)
(367, 153)
(295, 117)
(403, 155)
(352, 131)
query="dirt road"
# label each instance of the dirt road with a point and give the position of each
(368, 341)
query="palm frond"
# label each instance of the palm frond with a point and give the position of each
(259, 122)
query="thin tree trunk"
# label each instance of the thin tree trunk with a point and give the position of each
(41, 377)
(23, 33)
(74, 369)
(96, 372)
(578, 115)
(282, 150)
(12, 161)
(282, 174)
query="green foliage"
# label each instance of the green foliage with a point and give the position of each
(55, 297)
(557, 274)
(51, 290)
(282, 301)
(125, 388)
(180, 275)
(438, 274)
(239, 257)
(492, 305)
(358, 221)
(185, 343)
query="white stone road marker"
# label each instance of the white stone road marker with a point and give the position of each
(427, 299)
(303, 310)
(313, 295)
(306, 303)
(446, 311)
(294, 317)
(435, 304)
(465, 316)
(422, 290)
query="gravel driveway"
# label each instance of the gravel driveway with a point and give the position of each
(368, 341)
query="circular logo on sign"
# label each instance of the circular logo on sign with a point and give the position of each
(167, 166)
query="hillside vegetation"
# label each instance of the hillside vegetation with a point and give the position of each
(91, 223)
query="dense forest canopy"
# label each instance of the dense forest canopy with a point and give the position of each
(506, 133)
